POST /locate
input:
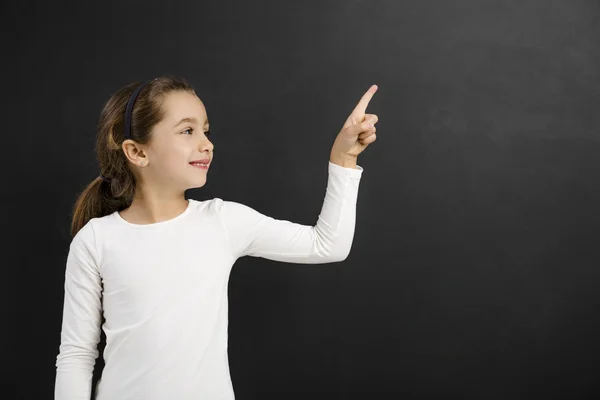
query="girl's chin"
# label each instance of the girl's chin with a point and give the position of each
(197, 184)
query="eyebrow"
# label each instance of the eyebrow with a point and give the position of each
(188, 120)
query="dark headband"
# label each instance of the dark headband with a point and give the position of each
(128, 112)
(129, 109)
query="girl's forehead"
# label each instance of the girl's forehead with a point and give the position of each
(181, 105)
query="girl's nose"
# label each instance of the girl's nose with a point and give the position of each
(206, 145)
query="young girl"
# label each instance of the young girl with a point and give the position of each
(156, 266)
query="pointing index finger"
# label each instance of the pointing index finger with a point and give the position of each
(361, 107)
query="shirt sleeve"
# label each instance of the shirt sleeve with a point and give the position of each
(254, 234)
(81, 321)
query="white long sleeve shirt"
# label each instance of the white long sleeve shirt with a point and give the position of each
(162, 289)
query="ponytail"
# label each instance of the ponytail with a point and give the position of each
(97, 200)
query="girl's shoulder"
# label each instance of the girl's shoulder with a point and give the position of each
(216, 205)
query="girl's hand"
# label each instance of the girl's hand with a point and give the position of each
(358, 131)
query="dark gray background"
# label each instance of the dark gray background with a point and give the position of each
(474, 270)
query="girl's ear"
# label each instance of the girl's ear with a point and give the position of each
(134, 152)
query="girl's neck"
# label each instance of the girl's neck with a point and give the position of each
(152, 209)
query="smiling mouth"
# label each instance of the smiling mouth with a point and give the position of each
(200, 164)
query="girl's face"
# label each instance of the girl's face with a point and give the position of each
(179, 142)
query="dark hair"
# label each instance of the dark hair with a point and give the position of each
(115, 192)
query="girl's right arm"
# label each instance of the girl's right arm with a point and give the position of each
(81, 321)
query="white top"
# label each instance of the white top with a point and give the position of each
(163, 290)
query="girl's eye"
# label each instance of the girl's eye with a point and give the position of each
(189, 131)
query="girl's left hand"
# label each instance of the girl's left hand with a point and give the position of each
(359, 129)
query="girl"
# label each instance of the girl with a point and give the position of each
(156, 266)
